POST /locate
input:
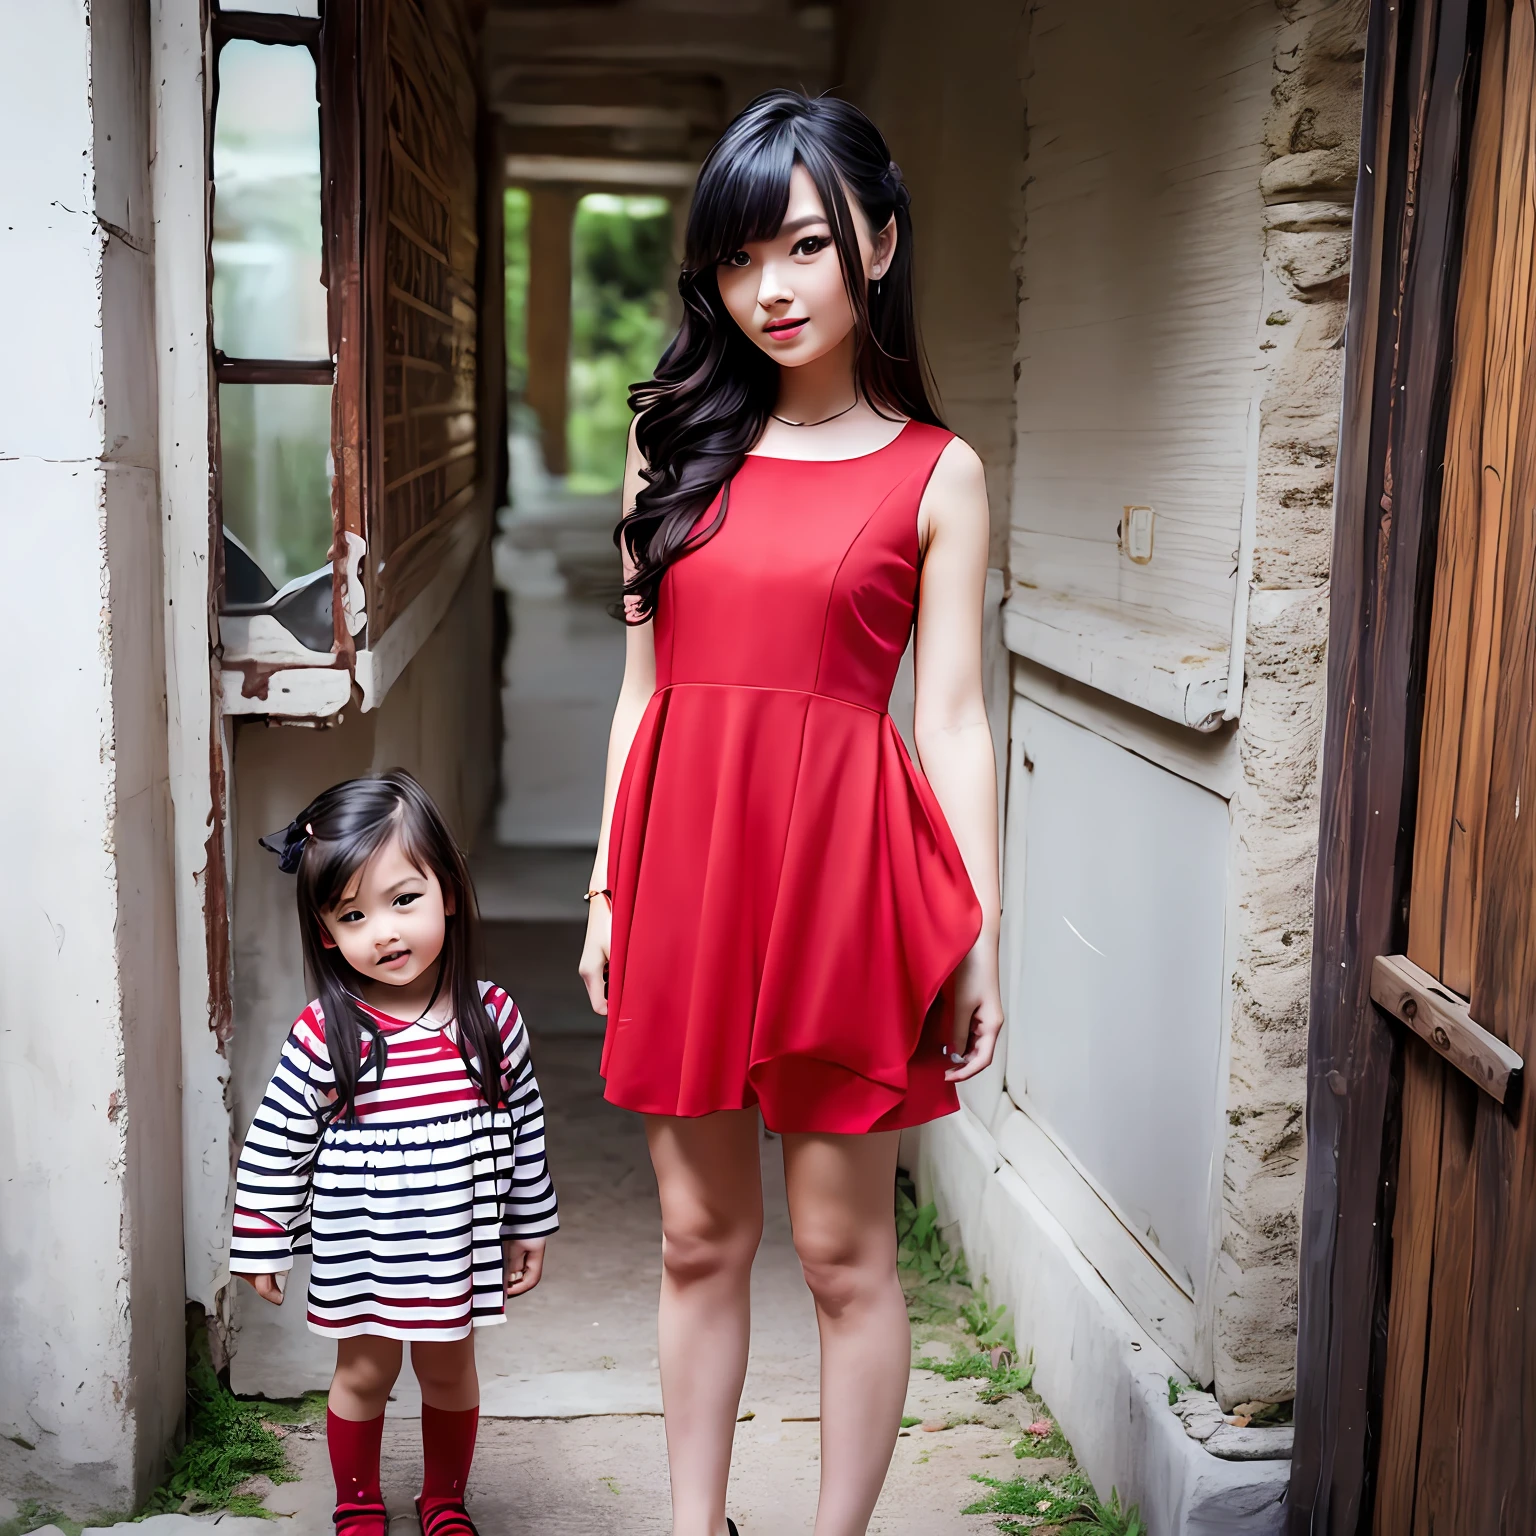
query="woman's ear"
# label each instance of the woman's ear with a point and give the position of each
(884, 249)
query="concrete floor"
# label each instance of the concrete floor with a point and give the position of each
(572, 1441)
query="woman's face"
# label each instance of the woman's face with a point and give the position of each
(787, 293)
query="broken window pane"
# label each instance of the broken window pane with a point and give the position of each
(268, 301)
(275, 453)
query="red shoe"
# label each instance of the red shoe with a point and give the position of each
(361, 1520)
(445, 1519)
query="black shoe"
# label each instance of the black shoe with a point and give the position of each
(730, 1525)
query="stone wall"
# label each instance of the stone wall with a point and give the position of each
(1312, 135)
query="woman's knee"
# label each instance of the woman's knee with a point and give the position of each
(842, 1268)
(700, 1244)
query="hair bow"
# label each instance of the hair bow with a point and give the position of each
(288, 844)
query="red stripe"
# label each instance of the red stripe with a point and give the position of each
(254, 1221)
(354, 1318)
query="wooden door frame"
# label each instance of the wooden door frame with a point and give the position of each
(1420, 77)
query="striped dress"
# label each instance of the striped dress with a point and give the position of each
(405, 1209)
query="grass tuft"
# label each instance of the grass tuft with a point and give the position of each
(1069, 1503)
(1002, 1377)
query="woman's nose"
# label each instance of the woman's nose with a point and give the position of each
(773, 289)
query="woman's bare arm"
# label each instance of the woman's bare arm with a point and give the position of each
(954, 741)
(634, 694)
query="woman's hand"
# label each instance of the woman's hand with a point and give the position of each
(268, 1287)
(594, 953)
(522, 1263)
(978, 1010)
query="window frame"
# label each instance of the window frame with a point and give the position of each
(331, 39)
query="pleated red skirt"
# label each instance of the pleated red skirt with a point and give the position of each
(788, 901)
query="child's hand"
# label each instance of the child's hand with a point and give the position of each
(268, 1287)
(522, 1263)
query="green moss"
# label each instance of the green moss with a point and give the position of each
(230, 1440)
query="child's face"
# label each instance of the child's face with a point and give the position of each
(390, 921)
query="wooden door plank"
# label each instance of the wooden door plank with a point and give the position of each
(1507, 382)
(1497, 1474)
(1456, 567)
(1440, 1469)
(1413, 1246)
(1420, 68)
(1444, 1022)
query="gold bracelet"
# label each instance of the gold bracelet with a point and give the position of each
(607, 895)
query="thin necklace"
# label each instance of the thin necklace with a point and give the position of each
(824, 420)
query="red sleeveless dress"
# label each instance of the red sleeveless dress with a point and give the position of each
(788, 901)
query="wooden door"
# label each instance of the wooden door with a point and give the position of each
(1458, 1450)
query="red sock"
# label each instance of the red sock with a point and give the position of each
(448, 1447)
(354, 1447)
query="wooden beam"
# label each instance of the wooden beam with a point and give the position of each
(551, 210)
(1444, 1022)
(1418, 70)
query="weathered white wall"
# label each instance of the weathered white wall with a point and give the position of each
(436, 722)
(1141, 287)
(91, 1356)
(949, 100)
(1175, 205)
(195, 743)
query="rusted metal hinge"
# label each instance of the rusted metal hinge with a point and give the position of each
(1441, 1019)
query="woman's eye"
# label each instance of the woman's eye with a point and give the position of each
(811, 245)
(737, 259)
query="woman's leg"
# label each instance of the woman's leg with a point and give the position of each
(842, 1207)
(711, 1188)
(450, 1420)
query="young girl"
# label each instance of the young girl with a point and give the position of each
(401, 1140)
(788, 919)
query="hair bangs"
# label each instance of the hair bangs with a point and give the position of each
(742, 196)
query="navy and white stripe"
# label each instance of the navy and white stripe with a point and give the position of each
(406, 1208)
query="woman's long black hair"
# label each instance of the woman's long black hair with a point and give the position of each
(331, 839)
(714, 390)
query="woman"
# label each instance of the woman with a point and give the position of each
(787, 919)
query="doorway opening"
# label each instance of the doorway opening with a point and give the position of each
(589, 309)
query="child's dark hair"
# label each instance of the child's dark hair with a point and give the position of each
(325, 845)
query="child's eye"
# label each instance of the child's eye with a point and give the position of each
(737, 259)
(405, 898)
(811, 245)
(350, 917)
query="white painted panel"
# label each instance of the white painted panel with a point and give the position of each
(1140, 328)
(1115, 1013)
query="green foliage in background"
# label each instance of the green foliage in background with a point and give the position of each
(621, 271)
(621, 263)
(515, 259)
